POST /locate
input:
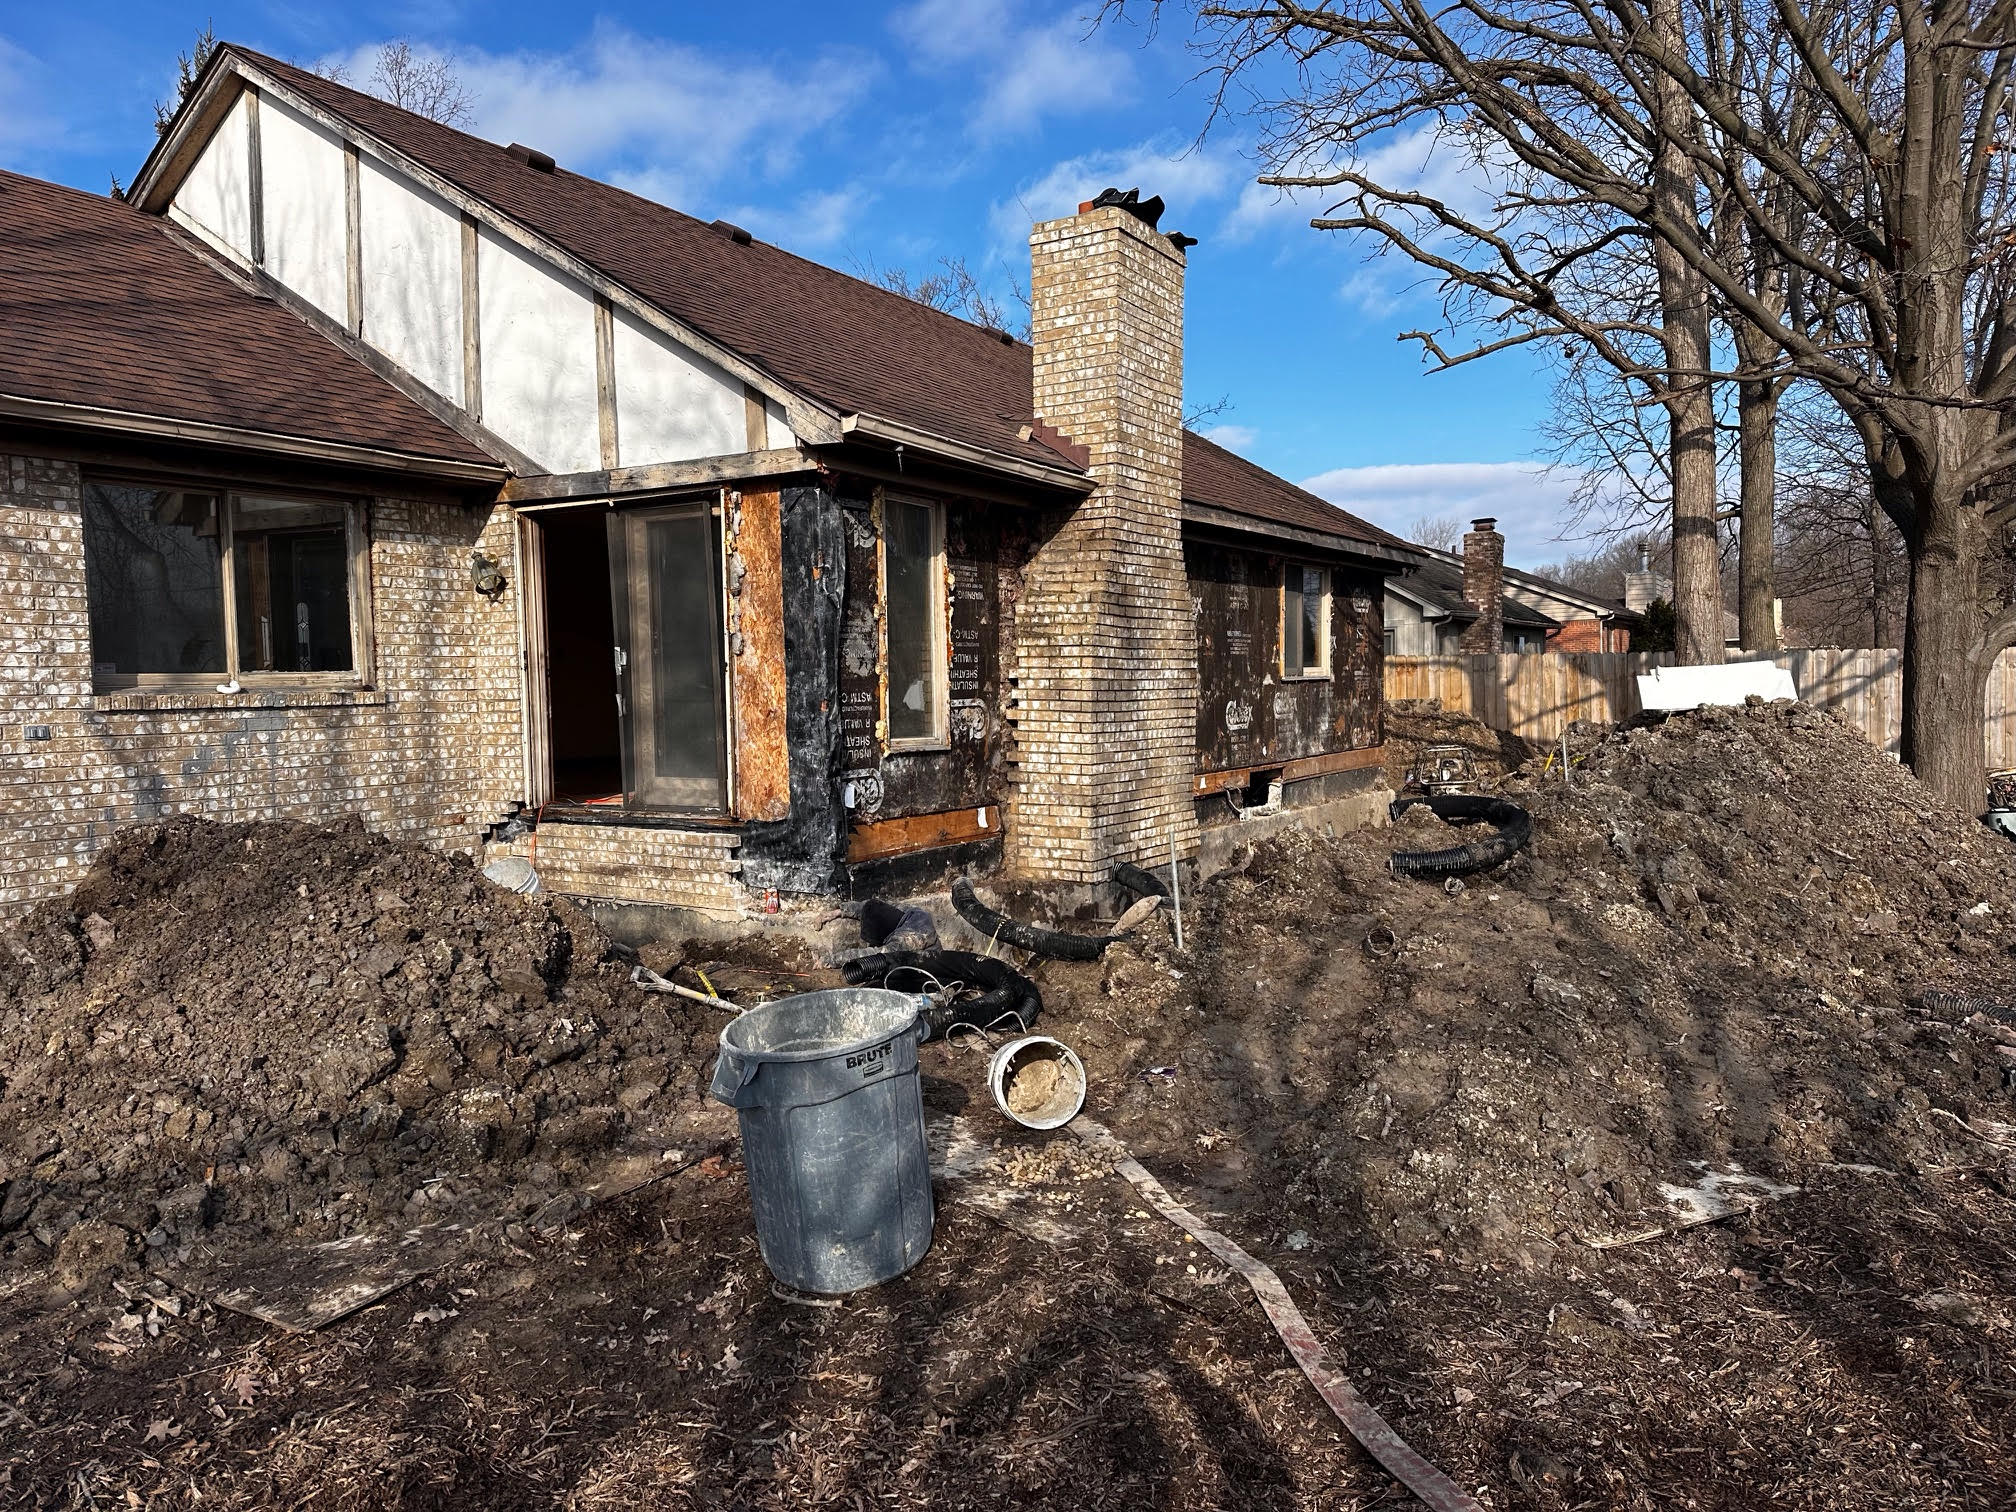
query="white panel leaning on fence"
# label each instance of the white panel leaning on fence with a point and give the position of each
(1671, 689)
(1538, 695)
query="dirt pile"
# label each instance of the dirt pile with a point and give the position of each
(1414, 724)
(268, 1029)
(1714, 952)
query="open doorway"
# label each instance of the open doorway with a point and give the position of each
(587, 738)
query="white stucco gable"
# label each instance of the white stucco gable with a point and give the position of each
(571, 373)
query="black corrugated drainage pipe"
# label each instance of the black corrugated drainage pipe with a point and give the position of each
(998, 989)
(1515, 828)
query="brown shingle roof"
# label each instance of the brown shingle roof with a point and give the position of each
(837, 340)
(104, 307)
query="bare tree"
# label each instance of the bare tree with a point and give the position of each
(188, 69)
(953, 288)
(1898, 212)
(425, 83)
(1442, 532)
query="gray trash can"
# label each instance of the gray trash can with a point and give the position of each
(832, 1118)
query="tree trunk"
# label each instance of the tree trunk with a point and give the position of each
(1946, 656)
(1689, 397)
(1757, 450)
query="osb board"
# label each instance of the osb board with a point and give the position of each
(762, 756)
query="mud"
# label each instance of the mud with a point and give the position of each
(244, 1032)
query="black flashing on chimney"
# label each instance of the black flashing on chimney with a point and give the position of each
(1147, 211)
(531, 157)
(1181, 242)
(733, 232)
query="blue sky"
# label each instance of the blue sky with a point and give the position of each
(896, 135)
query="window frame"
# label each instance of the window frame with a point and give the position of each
(939, 630)
(1322, 670)
(357, 548)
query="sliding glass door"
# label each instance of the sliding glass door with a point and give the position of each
(665, 576)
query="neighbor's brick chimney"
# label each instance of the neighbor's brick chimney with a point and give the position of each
(1106, 662)
(1484, 586)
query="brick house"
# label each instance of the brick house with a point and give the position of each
(359, 466)
(1448, 603)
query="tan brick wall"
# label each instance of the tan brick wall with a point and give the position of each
(431, 753)
(1105, 701)
(693, 868)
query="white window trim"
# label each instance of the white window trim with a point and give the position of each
(1322, 671)
(357, 537)
(940, 738)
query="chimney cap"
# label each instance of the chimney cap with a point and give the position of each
(1489, 522)
(1147, 211)
(531, 157)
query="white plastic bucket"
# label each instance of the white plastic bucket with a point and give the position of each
(1037, 1081)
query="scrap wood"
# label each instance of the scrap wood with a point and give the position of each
(300, 1288)
(1708, 1201)
(1371, 1430)
(1981, 1128)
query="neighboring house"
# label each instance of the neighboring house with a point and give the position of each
(1435, 608)
(359, 466)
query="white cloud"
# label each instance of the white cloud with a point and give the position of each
(818, 219)
(1530, 500)
(659, 117)
(1185, 178)
(1232, 437)
(1025, 70)
(1422, 161)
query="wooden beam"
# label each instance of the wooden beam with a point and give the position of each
(755, 420)
(443, 409)
(472, 320)
(1291, 771)
(256, 172)
(353, 240)
(899, 837)
(556, 488)
(605, 380)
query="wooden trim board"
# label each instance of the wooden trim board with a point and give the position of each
(899, 837)
(1291, 771)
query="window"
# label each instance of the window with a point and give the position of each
(1305, 621)
(913, 587)
(194, 587)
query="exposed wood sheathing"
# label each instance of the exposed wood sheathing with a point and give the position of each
(756, 597)
(1248, 715)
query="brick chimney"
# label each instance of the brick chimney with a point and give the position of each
(1484, 586)
(1106, 655)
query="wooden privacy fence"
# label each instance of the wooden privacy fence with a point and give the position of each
(1540, 694)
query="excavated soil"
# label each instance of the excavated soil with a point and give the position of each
(232, 1033)
(1448, 1121)
(1414, 724)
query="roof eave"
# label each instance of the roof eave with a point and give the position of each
(909, 437)
(52, 412)
(1374, 554)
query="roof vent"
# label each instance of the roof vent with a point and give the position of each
(999, 335)
(733, 232)
(531, 157)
